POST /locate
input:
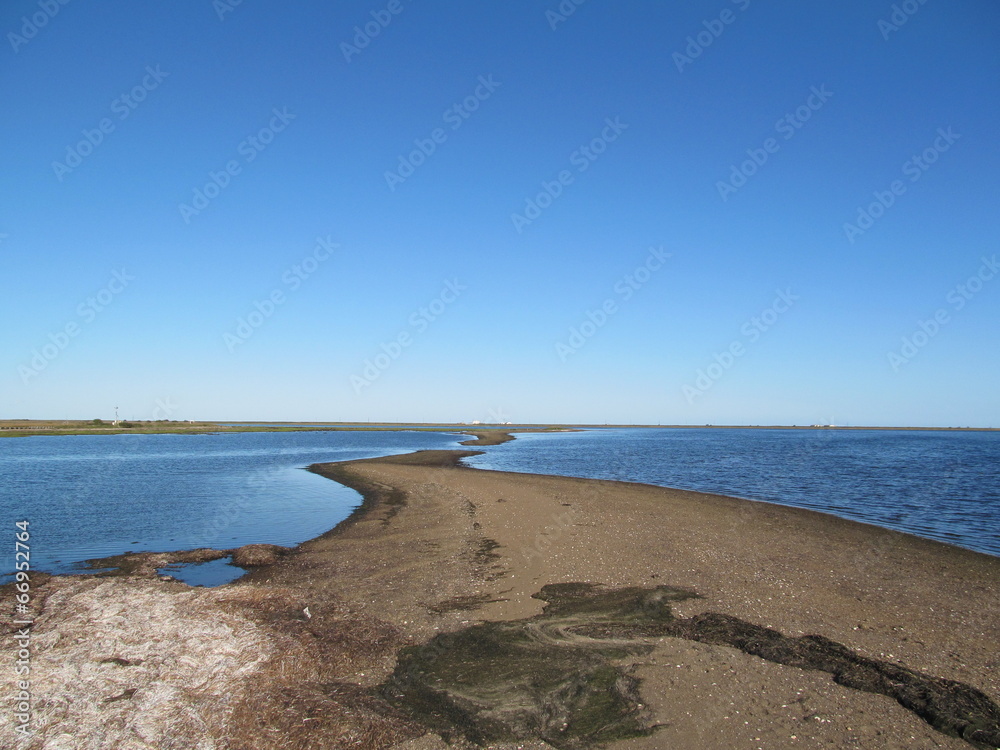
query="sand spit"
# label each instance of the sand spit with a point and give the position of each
(622, 615)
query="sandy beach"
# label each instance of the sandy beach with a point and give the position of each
(461, 607)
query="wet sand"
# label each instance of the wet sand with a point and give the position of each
(438, 548)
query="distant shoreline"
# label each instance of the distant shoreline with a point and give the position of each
(28, 427)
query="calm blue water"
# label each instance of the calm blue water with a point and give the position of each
(939, 485)
(92, 496)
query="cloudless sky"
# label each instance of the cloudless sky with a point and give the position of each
(510, 304)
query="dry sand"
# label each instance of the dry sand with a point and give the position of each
(438, 548)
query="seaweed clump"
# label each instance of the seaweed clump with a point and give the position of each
(559, 676)
(535, 678)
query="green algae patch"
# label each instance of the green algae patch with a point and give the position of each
(535, 678)
(586, 601)
(563, 676)
(501, 682)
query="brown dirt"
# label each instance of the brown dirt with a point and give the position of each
(438, 549)
(552, 675)
(149, 564)
(256, 555)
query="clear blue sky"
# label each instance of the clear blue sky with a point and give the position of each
(456, 253)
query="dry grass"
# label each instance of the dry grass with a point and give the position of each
(137, 664)
(307, 696)
(255, 555)
(146, 664)
(152, 665)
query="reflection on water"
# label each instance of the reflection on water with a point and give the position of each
(211, 573)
